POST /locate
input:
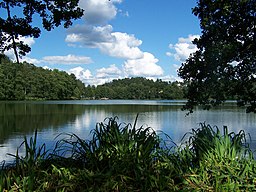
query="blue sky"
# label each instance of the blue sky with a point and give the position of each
(120, 38)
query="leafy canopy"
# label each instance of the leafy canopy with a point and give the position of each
(224, 67)
(17, 20)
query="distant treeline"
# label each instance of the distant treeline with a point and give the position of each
(136, 88)
(25, 81)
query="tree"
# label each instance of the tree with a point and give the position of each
(224, 67)
(20, 24)
(25, 81)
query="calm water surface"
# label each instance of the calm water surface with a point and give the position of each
(50, 118)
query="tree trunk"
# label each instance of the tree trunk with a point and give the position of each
(14, 46)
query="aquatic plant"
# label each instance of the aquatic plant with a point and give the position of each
(222, 162)
(124, 157)
(24, 170)
(115, 149)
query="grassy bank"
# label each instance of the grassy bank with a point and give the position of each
(125, 157)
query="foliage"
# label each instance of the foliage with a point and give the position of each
(20, 16)
(223, 162)
(124, 157)
(24, 81)
(123, 151)
(136, 88)
(224, 65)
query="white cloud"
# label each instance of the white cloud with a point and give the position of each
(124, 13)
(27, 40)
(124, 46)
(108, 74)
(97, 33)
(171, 78)
(114, 44)
(103, 75)
(30, 60)
(99, 11)
(90, 36)
(46, 67)
(145, 66)
(68, 59)
(99, 81)
(111, 72)
(183, 48)
(86, 76)
(169, 54)
(81, 73)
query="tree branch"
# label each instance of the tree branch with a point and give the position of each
(11, 33)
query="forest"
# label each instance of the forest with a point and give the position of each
(136, 88)
(24, 81)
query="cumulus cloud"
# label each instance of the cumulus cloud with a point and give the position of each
(97, 33)
(68, 59)
(30, 60)
(103, 75)
(183, 48)
(114, 44)
(145, 66)
(108, 74)
(90, 36)
(123, 46)
(99, 11)
(111, 72)
(81, 73)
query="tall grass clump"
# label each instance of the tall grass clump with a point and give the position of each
(219, 161)
(22, 173)
(123, 154)
(127, 157)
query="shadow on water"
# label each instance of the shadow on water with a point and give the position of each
(24, 118)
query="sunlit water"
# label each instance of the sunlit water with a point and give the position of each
(51, 118)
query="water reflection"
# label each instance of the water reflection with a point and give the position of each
(24, 118)
(51, 118)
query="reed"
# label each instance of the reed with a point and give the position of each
(220, 162)
(22, 173)
(124, 151)
(127, 157)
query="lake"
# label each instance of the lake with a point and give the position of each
(51, 118)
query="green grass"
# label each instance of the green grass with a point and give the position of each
(125, 157)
